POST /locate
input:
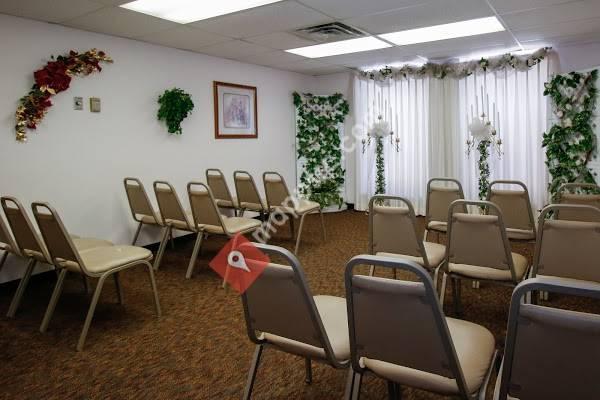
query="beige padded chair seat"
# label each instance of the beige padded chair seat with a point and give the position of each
(475, 346)
(233, 225)
(435, 255)
(334, 315)
(82, 244)
(148, 219)
(182, 224)
(303, 207)
(475, 272)
(226, 203)
(254, 206)
(519, 234)
(438, 226)
(102, 259)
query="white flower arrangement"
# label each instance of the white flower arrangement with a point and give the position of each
(380, 128)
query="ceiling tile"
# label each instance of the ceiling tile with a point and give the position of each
(120, 22)
(451, 47)
(50, 11)
(273, 59)
(508, 6)
(432, 13)
(113, 2)
(370, 58)
(581, 27)
(280, 41)
(583, 38)
(184, 37)
(553, 14)
(342, 9)
(234, 49)
(284, 16)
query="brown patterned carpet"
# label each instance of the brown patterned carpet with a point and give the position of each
(199, 348)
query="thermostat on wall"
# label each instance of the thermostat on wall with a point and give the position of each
(95, 104)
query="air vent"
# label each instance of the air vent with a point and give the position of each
(329, 32)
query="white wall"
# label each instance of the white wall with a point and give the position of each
(78, 159)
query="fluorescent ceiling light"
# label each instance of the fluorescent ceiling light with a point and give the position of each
(341, 47)
(186, 11)
(453, 30)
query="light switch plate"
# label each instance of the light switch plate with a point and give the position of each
(78, 103)
(95, 104)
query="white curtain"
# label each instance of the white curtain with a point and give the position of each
(430, 116)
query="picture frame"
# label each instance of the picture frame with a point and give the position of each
(236, 111)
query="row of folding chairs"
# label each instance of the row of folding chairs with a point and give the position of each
(397, 330)
(204, 215)
(515, 204)
(90, 258)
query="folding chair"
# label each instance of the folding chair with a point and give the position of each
(218, 185)
(437, 204)
(141, 209)
(566, 196)
(516, 209)
(247, 194)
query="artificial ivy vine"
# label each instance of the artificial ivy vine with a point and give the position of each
(571, 142)
(175, 105)
(380, 167)
(484, 168)
(319, 142)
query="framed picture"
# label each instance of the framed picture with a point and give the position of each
(235, 111)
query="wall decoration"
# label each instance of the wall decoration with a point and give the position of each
(236, 111)
(460, 70)
(175, 106)
(318, 120)
(571, 142)
(380, 129)
(54, 78)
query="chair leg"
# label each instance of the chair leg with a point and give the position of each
(137, 233)
(456, 291)
(197, 246)
(171, 238)
(443, 289)
(394, 392)
(154, 290)
(242, 211)
(16, 301)
(425, 235)
(356, 386)
(3, 259)
(323, 225)
(118, 287)
(372, 270)
(161, 247)
(53, 300)
(299, 235)
(308, 366)
(252, 373)
(86, 286)
(90, 314)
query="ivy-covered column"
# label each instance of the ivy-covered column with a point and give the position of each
(380, 167)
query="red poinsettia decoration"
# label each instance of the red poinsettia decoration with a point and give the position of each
(54, 78)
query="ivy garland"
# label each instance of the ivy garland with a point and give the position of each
(484, 168)
(380, 167)
(571, 142)
(319, 142)
(460, 70)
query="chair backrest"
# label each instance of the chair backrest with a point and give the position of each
(57, 239)
(439, 198)
(385, 313)
(245, 188)
(551, 353)
(276, 190)
(568, 249)
(169, 205)
(218, 185)
(28, 241)
(393, 229)
(7, 243)
(478, 240)
(515, 205)
(565, 196)
(280, 303)
(204, 207)
(139, 203)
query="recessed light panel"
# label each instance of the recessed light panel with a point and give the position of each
(186, 11)
(453, 30)
(341, 47)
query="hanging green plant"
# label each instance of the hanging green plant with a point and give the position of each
(571, 142)
(319, 143)
(175, 106)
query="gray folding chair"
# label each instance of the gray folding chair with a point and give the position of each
(218, 185)
(173, 214)
(579, 193)
(280, 200)
(100, 263)
(550, 353)
(399, 333)
(209, 221)
(141, 208)
(282, 314)
(516, 209)
(32, 247)
(478, 250)
(247, 194)
(438, 201)
(393, 233)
